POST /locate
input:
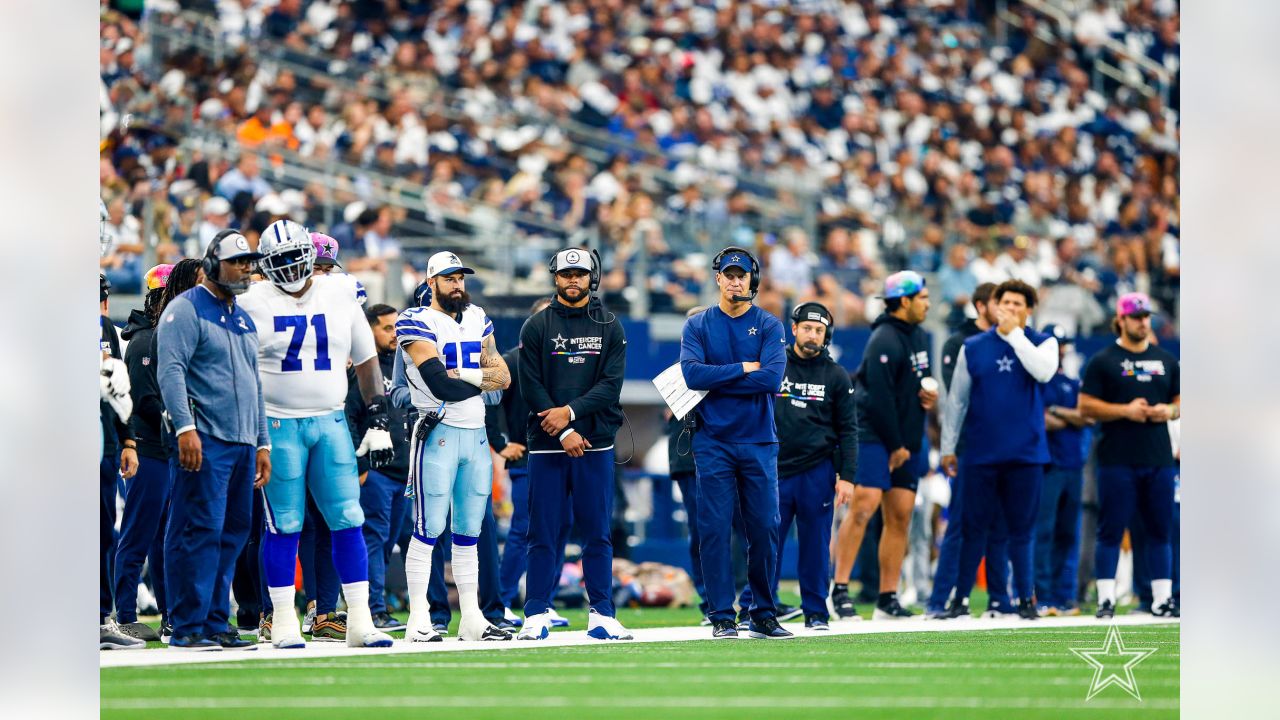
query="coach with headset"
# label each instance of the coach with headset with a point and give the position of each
(572, 358)
(208, 375)
(737, 353)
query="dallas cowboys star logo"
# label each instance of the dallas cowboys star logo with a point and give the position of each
(786, 385)
(559, 341)
(752, 331)
(735, 258)
(1006, 364)
(1113, 653)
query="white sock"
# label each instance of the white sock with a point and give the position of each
(1107, 591)
(1161, 591)
(466, 574)
(284, 619)
(417, 573)
(358, 617)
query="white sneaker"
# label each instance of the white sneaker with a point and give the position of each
(510, 616)
(285, 633)
(556, 619)
(602, 627)
(423, 634)
(536, 627)
(309, 620)
(361, 632)
(475, 628)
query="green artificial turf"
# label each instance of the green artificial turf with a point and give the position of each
(1024, 673)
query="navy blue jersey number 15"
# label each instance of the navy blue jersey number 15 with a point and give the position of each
(292, 362)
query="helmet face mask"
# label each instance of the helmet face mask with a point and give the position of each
(288, 255)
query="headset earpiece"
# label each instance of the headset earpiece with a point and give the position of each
(755, 266)
(798, 315)
(595, 271)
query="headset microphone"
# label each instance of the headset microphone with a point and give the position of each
(735, 261)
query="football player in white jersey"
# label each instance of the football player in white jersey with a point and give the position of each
(308, 327)
(450, 357)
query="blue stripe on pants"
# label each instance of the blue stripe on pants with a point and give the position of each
(382, 500)
(808, 497)
(989, 490)
(209, 515)
(732, 475)
(146, 504)
(585, 483)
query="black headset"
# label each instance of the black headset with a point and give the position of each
(210, 262)
(755, 270)
(593, 282)
(807, 310)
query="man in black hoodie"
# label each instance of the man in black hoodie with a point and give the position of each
(817, 454)
(893, 389)
(572, 358)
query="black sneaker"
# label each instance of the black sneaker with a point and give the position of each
(232, 641)
(724, 629)
(842, 604)
(768, 629)
(1167, 609)
(141, 631)
(1106, 609)
(744, 621)
(788, 612)
(386, 623)
(504, 624)
(891, 610)
(813, 622)
(1027, 609)
(959, 608)
(166, 631)
(493, 634)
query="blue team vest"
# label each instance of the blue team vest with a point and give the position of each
(1005, 422)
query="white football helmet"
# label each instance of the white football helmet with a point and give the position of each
(288, 255)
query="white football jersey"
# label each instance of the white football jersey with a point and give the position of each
(304, 343)
(459, 345)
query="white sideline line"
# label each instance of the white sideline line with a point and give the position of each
(164, 656)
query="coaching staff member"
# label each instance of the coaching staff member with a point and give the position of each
(1132, 388)
(996, 392)
(209, 381)
(817, 453)
(891, 409)
(737, 353)
(572, 358)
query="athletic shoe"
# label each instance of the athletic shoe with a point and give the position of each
(1000, 612)
(309, 620)
(704, 622)
(142, 631)
(370, 638)
(1168, 609)
(246, 623)
(1069, 610)
(333, 628)
(1051, 611)
(768, 629)
(813, 622)
(724, 629)
(264, 628)
(788, 612)
(536, 627)
(196, 642)
(744, 621)
(557, 620)
(891, 610)
(1106, 610)
(505, 624)
(111, 637)
(422, 635)
(232, 641)
(510, 616)
(386, 622)
(1027, 609)
(602, 627)
(959, 609)
(166, 631)
(480, 629)
(442, 628)
(842, 604)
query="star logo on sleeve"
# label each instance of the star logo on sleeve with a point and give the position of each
(1006, 364)
(752, 331)
(559, 341)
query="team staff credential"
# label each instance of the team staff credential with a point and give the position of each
(572, 359)
(736, 352)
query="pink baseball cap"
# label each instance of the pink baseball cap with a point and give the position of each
(1133, 304)
(326, 249)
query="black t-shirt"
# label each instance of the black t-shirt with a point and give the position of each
(1116, 375)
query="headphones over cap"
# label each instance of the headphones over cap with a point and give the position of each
(572, 258)
(814, 312)
(755, 269)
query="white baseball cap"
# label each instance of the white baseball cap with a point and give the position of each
(446, 263)
(572, 259)
(216, 205)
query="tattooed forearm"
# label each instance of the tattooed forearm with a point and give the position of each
(496, 374)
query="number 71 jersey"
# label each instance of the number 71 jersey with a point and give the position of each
(304, 343)
(459, 345)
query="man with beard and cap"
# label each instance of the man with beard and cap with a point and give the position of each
(817, 453)
(1133, 390)
(572, 357)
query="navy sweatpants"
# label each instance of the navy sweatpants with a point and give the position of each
(1011, 488)
(487, 593)
(315, 553)
(146, 506)
(515, 551)
(108, 472)
(808, 498)
(586, 484)
(732, 475)
(209, 516)
(997, 554)
(1122, 489)
(383, 501)
(1057, 534)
